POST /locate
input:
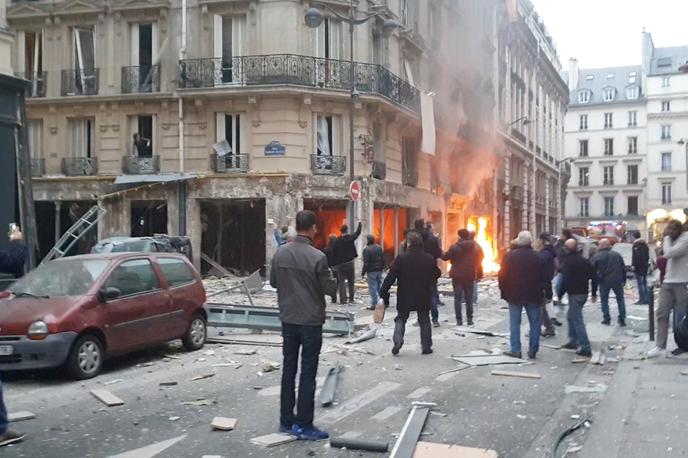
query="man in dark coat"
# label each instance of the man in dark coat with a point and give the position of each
(373, 265)
(640, 262)
(332, 262)
(577, 273)
(560, 250)
(548, 255)
(523, 283)
(415, 271)
(431, 245)
(344, 254)
(12, 259)
(610, 269)
(465, 263)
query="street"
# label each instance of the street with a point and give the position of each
(517, 417)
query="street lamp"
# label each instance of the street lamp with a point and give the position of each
(562, 199)
(525, 120)
(683, 142)
(313, 18)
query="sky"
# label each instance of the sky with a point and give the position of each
(606, 33)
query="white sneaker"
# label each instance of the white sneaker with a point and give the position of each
(656, 352)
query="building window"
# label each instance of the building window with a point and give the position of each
(583, 122)
(80, 137)
(632, 145)
(609, 94)
(666, 81)
(84, 58)
(632, 174)
(141, 132)
(583, 176)
(229, 135)
(608, 174)
(408, 13)
(666, 105)
(584, 207)
(584, 96)
(666, 162)
(583, 148)
(608, 120)
(608, 206)
(666, 132)
(31, 54)
(632, 118)
(34, 130)
(608, 146)
(632, 205)
(632, 92)
(666, 193)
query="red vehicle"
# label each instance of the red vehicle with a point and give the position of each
(78, 311)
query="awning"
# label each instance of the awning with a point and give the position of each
(156, 178)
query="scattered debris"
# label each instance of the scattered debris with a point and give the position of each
(172, 356)
(112, 382)
(411, 432)
(598, 388)
(106, 397)
(219, 340)
(272, 440)
(224, 423)
(580, 360)
(173, 418)
(457, 369)
(573, 449)
(370, 334)
(20, 416)
(487, 360)
(520, 403)
(170, 383)
(199, 402)
(202, 376)
(245, 351)
(330, 386)
(342, 350)
(575, 417)
(599, 357)
(209, 353)
(269, 366)
(482, 332)
(516, 374)
(521, 417)
(434, 450)
(567, 432)
(553, 347)
(356, 444)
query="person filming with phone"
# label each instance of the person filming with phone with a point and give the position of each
(13, 258)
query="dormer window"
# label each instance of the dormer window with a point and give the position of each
(632, 92)
(584, 96)
(609, 94)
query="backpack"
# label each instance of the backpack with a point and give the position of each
(681, 334)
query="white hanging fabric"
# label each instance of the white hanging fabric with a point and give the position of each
(427, 112)
(323, 135)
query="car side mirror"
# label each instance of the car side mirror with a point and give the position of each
(110, 293)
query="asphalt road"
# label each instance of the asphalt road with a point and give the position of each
(517, 417)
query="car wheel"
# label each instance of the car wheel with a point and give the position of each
(86, 357)
(195, 336)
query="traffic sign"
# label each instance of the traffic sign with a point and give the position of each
(355, 191)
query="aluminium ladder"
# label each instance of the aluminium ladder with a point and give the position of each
(77, 231)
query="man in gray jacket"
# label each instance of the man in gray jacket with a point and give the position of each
(610, 270)
(673, 293)
(302, 279)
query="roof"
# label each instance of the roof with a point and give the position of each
(598, 80)
(668, 60)
(114, 256)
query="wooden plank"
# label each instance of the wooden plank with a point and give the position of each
(106, 397)
(215, 265)
(224, 423)
(516, 374)
(20, 416)
(433, 450)
(272, 440)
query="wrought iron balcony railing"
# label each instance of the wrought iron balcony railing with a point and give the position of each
(140, 165)
(328, 165)
(275, 69)
(140, 79)
(229, 163)
(79, 166)
(78, 82)
(540, 199)
(37, 167)
(409, 177)
(38, 83)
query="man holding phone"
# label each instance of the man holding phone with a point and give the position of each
(13, 258)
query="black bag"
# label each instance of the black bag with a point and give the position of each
(681, 334)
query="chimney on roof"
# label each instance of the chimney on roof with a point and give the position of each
(574, 74)
(647, 50)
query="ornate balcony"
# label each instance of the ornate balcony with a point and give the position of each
(79, 166)
(229, 163)
(328, 165)
(38, 83)
(279, 69)
(37, 167)
(80, 82)
(141, 165)
(140, 79)
(517, 193)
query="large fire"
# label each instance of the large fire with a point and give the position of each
(487, 243)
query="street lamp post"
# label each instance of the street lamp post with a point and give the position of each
(560, 191)
(683, 142)
(313, 18)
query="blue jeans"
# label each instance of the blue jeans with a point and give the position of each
(434, 311)
(374, 285)
(533, 312)
(475, 292)
(3, 412)
(559, 286)
(643, 292)
(604, 299)
(577, 333)
(308, 339)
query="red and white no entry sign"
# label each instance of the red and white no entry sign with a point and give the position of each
(355, 191)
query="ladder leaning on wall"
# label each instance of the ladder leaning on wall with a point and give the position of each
(77, 231)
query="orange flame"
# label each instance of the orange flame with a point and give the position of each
(487, 243)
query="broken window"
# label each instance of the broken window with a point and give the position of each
(328, 46)
(81, 137)
(84, 60)
(327, 128)
(143, 125)
(34, 128)
(409, 152)
(143, 54)
(407, 13)
(229, 137)
(228, 45)
(31, 60)
(148, 217)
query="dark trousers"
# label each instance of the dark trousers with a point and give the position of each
(307, 339)
(423, 322)
(347, 274)
(335, 274)
(463, 289)
(434, 302)
(546, 319)
(577, 333)
(3, 413)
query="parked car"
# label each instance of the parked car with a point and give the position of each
(77, 311)
(160, 243)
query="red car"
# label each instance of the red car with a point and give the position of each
(77, 311)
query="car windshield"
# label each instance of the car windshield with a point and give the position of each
(64, 277)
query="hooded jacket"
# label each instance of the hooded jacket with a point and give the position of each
(465, 260)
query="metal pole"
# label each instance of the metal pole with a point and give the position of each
(651, 313)
(352, 215)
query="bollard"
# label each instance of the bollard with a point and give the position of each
(651, 313)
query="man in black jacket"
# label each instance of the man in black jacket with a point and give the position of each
(302, 279)
(431, 245)
(610, 269)
(12, 259)
(465, 264)
(344, 254)
(524, 284)
(641, 262)
(332, 262)
(373, 264)
(416, 272)
(577, 273)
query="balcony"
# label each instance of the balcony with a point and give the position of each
(38, 83)
(79, 166)
(518, 135)
(76, 82)
(140, 79)
(379, 170)
(37, 167)
(328, 165)
(517, 193)
(140, 165)
(409, 177)
(290, 69)
(230, 163)
(541, 199)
